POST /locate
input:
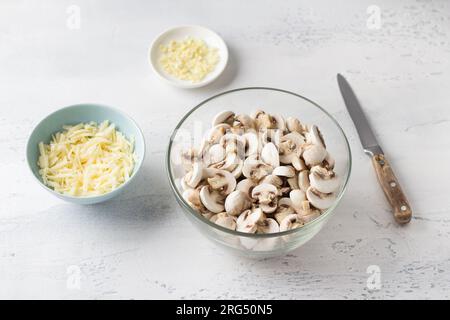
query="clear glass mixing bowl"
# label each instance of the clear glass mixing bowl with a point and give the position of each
(195, 123)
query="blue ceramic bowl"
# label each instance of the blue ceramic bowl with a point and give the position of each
(75, 114)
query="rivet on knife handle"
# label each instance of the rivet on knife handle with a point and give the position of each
(392, 189)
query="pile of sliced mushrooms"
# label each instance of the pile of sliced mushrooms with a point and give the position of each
(259, 173)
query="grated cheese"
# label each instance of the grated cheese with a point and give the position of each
(86, 159)
(190, 59)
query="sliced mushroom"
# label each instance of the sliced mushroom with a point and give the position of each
(251, 143)
(323, 180)
(320, 200)
(243, 122)
(223, 117)
(216, 153)
(307, 214)
(328, 162)
(290, 147)
(263, 120)
(290, 222)
(294, 125)
(273, 179)
(284, 209)
(237, 202)
(303, 180)
(297, 197)
(225, 220)
(212, 200)
(192, 197)
(220, 180)
(313, 154)
(248, 220)
(269, 155)
(216, 133)
(255, 169)
(314, 136)
(194, 176)
(268, 225)
(266, 195)
(293, 182)
(284, 171)
(298, 163)
(246, 186)
(279, 122)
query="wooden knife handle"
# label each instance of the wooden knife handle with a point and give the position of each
(392, 189)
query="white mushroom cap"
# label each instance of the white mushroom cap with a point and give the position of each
(269, 155)
(216, 153)
(192, 197)
(221, 180)
(297, 197)
(266, 194)
(314, 154)
(298, 163)
(323, 180)
(284, 171)
(320, 200)
(290, 222)
(194, 176)
(303, 180)
(244, 122)
(252, 143)
(237, 202)
(246, 185)
(268, 225)
(223, 117)
(212, 200)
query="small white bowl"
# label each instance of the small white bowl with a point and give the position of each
(211, 38)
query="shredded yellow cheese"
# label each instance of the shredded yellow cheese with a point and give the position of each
(190, 59)
(86, 159)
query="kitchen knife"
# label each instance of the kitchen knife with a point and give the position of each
(386, 177)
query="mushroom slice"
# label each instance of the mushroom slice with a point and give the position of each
(290, 222)
(294, 125)
(269, 155)
(229, 163)
(236, 202)
(328, 162)
(284, 171)
(193, 177)
(220, 180)
(307, 213)
(246, 186)
(293, 182)
(243, 122)
(323, 180)
(216, 153)
(212, 200)
(223, 117)
(314, 136)
(251, 143)
(268, 225)
(297, 197)
(263, 120)
(298, 163)
(255, 169)
(290, 144)
(192, 197)
(224, 220)
(248, 220)
(320, 200)
(273, 179)
(237, 172)
(216, 133)
(303, 180)
(265, 193)
(314, 154)
(279, 122)
(284, 209)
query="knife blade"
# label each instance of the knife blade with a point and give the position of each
(385, 174)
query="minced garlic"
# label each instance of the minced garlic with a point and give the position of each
(190, 59)
(86, 159)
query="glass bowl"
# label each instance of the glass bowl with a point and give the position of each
(190, 130)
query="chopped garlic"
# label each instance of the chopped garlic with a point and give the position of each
(190, 59)
(86, 159)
